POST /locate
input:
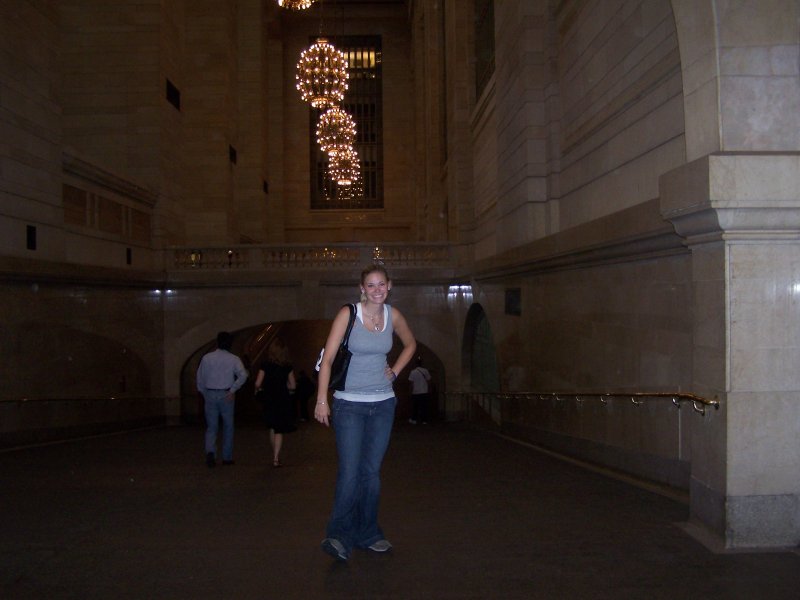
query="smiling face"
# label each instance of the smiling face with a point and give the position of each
(376, 285)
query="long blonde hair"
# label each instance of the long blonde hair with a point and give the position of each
(278, 353)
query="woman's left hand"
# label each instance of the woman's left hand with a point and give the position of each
(390, 375)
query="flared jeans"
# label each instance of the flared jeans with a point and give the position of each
(362, 431)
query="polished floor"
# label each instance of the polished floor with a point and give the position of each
(471, 516)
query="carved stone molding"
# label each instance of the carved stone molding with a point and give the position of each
(78, 167)
(734, 196)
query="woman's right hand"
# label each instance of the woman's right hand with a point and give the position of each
(322, 412)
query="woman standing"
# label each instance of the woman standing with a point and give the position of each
(363, 413)
(274, 382)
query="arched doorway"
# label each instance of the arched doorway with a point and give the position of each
(478, 359)
(303, 339)
(478, 355)
(403, 386)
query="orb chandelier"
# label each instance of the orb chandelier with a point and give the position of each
(351, 195)
(344, 167)
(336, 131)
(295, 4)
(322, 74)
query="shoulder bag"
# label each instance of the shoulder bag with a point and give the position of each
(342, 359)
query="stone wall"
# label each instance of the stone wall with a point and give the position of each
(30, 159)
(620, 88)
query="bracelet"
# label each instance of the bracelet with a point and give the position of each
(394, 375)
(323, 403)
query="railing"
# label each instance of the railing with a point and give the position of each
(638, 433)
(86, 399)
(263, 256)
(698, 403)
(33, 420)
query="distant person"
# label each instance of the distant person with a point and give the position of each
(420, 379)
(219, 376)
(274, 383)
(363, 413)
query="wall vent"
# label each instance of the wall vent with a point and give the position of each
(30, 235)
(173, 95)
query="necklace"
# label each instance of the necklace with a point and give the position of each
(376, 320)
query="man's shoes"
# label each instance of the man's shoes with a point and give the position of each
(210, 460)
(335, 548)
(228, 462)
(412, 421)
(381, 546)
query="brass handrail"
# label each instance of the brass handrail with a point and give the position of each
(699, 403)
(87, 399)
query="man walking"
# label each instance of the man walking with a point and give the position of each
(420, 379)
(219, 375)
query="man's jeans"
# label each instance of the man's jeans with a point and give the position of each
(362, 437)
(216, 406)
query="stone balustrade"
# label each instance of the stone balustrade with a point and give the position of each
(346, 256)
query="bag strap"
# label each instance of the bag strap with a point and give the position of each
(346, 338)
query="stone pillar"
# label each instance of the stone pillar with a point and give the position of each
(522, 75)
(430, 131)
(460, 94)
(740, 216)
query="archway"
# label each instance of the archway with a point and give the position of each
(303, 339)
(479, 360)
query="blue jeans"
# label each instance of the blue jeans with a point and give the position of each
(217, 406)
(362, 437)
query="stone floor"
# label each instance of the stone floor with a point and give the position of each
(471, 515)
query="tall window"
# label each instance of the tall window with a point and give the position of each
(484, 44)
(364, 102)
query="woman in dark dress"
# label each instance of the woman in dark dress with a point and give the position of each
(274, 383)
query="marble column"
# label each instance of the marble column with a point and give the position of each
(740, 215)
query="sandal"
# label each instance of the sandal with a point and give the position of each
(276, 464)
